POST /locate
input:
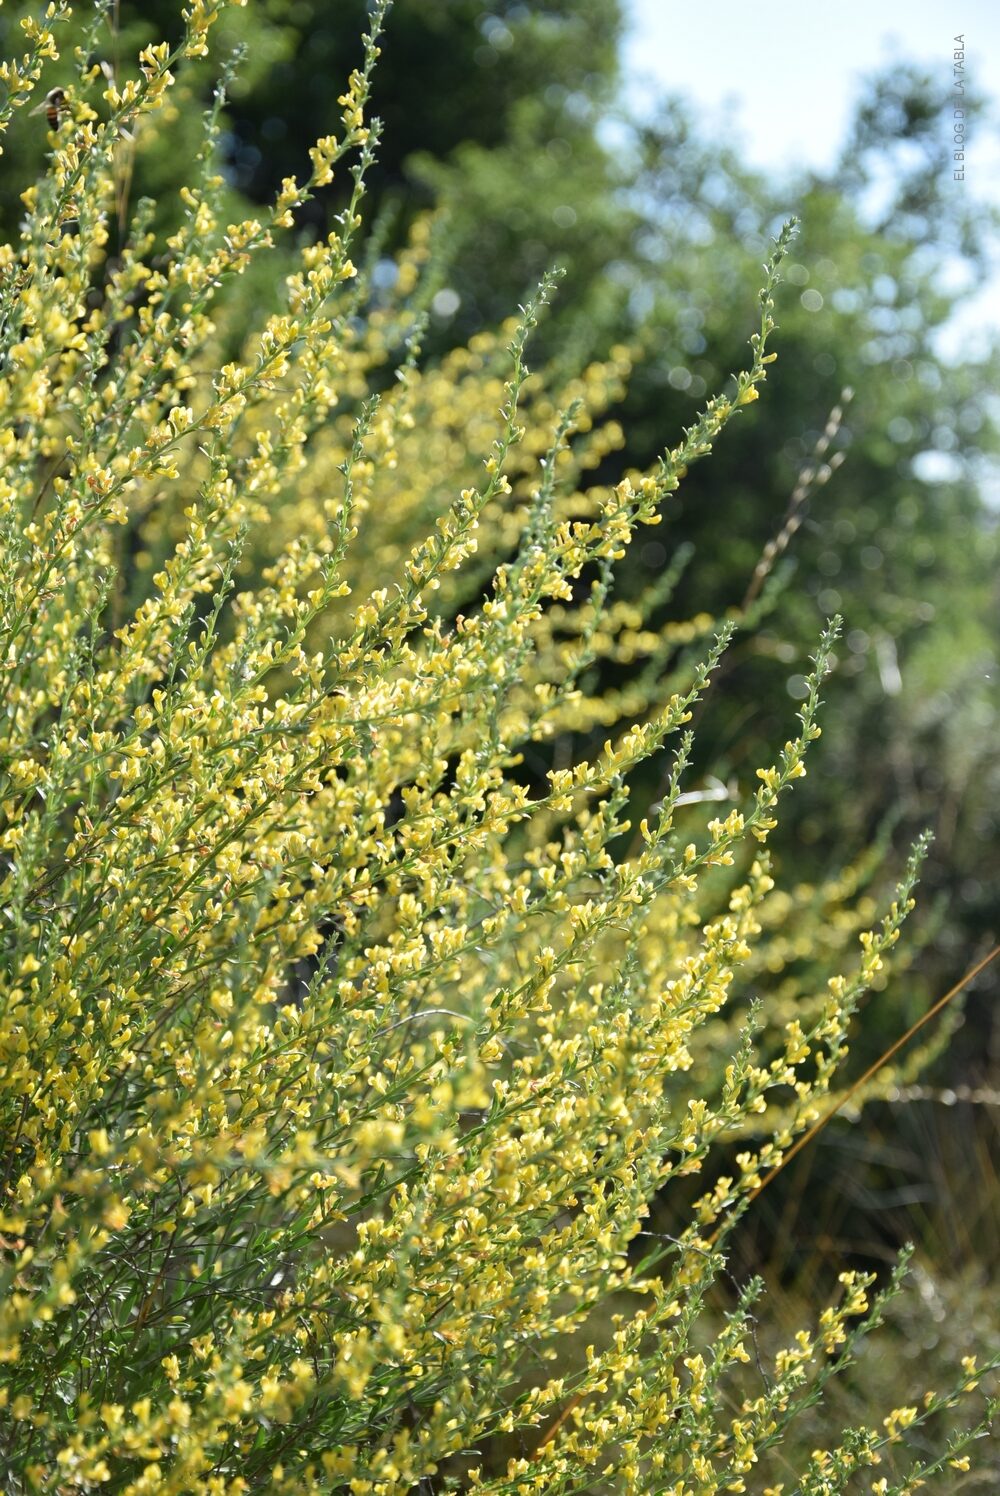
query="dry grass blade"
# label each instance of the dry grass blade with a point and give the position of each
(873, 1069)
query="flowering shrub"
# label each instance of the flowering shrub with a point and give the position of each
(343, 1048)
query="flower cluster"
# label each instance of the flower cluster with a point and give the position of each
(342, 1046)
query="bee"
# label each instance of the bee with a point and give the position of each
(54, 107)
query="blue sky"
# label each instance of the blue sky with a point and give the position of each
(801, 66)
(795, 72)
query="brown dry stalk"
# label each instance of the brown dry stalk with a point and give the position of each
(862, 1080)
(813, 475)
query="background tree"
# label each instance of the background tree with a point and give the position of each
(900, 538)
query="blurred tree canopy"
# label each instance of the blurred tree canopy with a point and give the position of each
(899, 540)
